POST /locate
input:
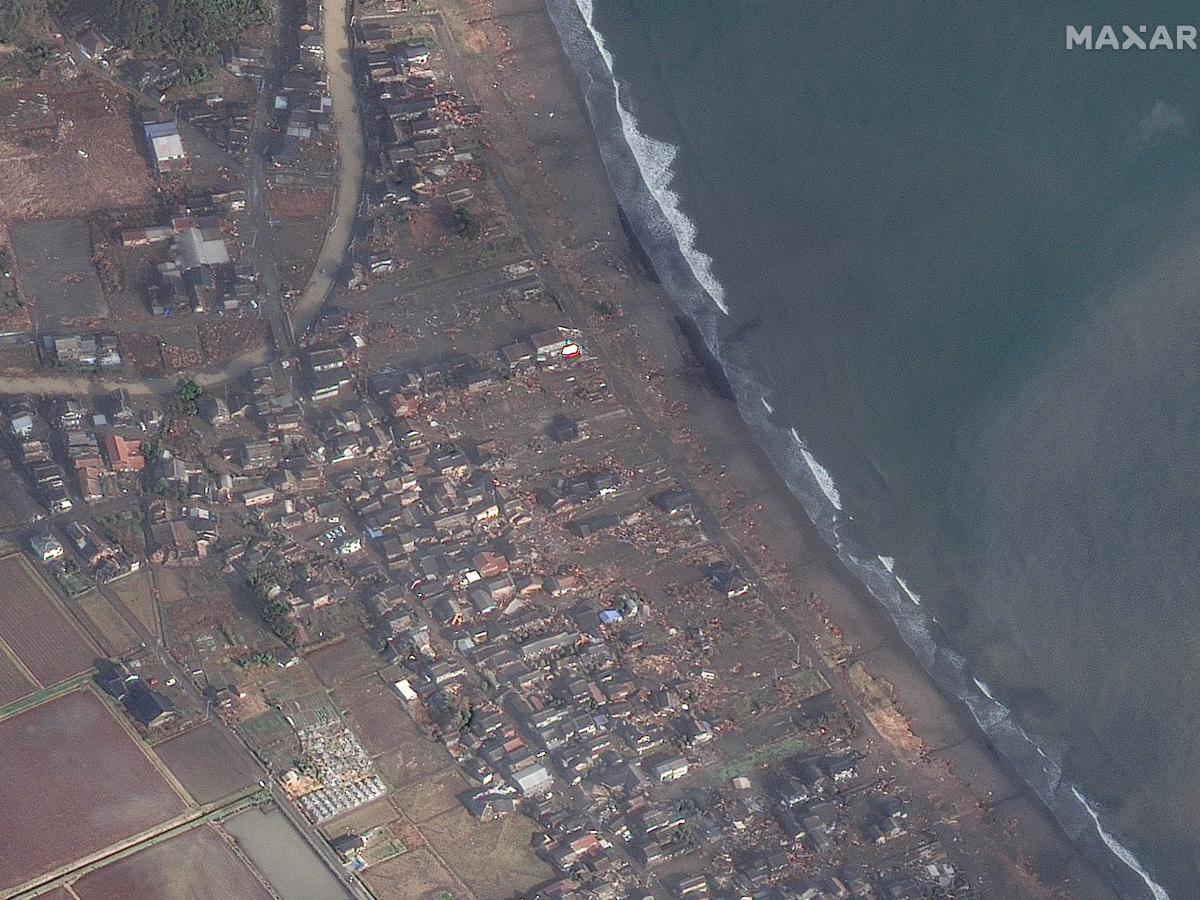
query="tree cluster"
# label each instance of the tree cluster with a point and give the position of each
(184, 29)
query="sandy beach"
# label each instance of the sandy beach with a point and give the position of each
(539, 131)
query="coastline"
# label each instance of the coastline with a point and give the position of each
(639, 169)
(547, 144)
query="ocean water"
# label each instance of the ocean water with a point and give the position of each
(953, 271)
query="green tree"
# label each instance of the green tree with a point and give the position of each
(188, 397)
(185, 29)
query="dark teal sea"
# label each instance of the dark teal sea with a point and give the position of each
(961, 269)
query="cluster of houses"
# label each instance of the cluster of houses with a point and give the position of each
(199, 273)
(333, 498)
(425, 130)
(227, 123)
(70, 451)
(145, 705)
(299, 147)
(91, 351)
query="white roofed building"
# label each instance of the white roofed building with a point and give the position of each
(167, 145)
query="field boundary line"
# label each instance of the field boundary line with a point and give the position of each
(46, 695)
(119, 850)
(25, 670)
(55, 594)
(118, 713)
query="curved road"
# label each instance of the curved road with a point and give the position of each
(350, 166)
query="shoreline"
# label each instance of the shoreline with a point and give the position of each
(954, 761)
(872, 576)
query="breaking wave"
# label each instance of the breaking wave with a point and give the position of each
(1120, 850)
(655, 160)
(640, 172)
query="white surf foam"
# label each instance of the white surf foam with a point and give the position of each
(652, 161)
(1122, 852)
(987, 693)
(824, 479)
(655, 160)
(912, 595)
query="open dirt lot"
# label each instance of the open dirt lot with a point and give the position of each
(378, 718)
(501, 862)
(45, 125)
(430, 798)
(345, 661)
(110, 628)
(135, 594)
(34, 627)
(416, 875)
(73, 782)
(207, 763)
(197, 865)
(54, 265)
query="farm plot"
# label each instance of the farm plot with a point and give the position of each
(110, 628)
(35, 628)
(196, 865)
(73, 782)
(416, 875)
(501, 862)
(378, 718)
(345, 661)
(13, 683)
(207, 763)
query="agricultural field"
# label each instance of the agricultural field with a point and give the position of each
(13, 683)
(345, 661)
(36, 629)
(68, 149)
(404, 752)
(76, 782)
(111, 628)
(137, 596)
(501, 861)
(196, 865)
(207, 763)
(416, 875)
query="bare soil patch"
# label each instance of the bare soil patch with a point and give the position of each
(196, 865)
(13, 683)
(36, 629)
(69, 148)
(207, 763)
(56, 274)
(416, 875)
(114, 632)
(345, 661)
(73, 782)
